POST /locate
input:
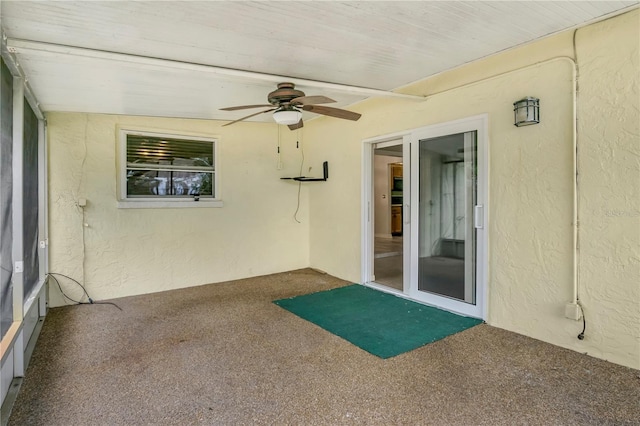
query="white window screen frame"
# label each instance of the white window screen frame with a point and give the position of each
(165, 201)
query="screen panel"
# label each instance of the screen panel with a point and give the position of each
(30, 200)
(6, 197)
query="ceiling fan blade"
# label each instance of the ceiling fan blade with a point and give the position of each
(249, 116)
(309, 100)
(332, 112)
(235, 108)
(296, 126)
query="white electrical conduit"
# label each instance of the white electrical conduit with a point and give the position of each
(574, 72)
(17, 45)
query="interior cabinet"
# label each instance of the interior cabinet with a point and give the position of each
(396, 170)
(396, 220)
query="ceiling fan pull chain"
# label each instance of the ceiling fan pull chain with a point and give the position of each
(279, 164)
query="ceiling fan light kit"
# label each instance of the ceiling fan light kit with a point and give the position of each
(289, 104)
(287, 116)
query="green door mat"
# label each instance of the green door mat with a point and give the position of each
(380, 323)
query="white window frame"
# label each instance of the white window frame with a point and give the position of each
(125, 202)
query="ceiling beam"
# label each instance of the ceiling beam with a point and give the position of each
(21, 45)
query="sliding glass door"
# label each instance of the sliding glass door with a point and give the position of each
(432, 247)
(446, 199)
(448, 182)
(388, 190)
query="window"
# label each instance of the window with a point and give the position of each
(161, 170)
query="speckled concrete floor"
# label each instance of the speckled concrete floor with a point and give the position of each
(224, 354)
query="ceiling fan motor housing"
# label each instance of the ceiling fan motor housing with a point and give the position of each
(285, 93)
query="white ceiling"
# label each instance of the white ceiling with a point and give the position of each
(380, 45)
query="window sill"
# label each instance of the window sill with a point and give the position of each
(166, 204)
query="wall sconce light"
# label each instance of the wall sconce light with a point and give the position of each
(526, 111)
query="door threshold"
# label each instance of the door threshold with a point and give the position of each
(388, 254)
(386, 289)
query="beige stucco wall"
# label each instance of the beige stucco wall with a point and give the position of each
(530, 203)
(530, 184)
(609, 182)
(135, 251)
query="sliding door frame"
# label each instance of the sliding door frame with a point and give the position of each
(476, 124)
(411, 138)
(367, 204)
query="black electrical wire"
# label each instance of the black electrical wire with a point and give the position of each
(78, 302)
(75, 281)
(299, 145)
(295, 215)
(584, 323)
(63, 293)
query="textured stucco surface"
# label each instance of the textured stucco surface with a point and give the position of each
(609, 181)
(530, 184)
(530, 199)
(136, 251)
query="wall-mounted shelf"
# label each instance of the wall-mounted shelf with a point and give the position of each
(325, 170)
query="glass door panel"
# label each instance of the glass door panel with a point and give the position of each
(389, 227)
(447, 187)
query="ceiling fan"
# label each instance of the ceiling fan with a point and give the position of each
(287, 105)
